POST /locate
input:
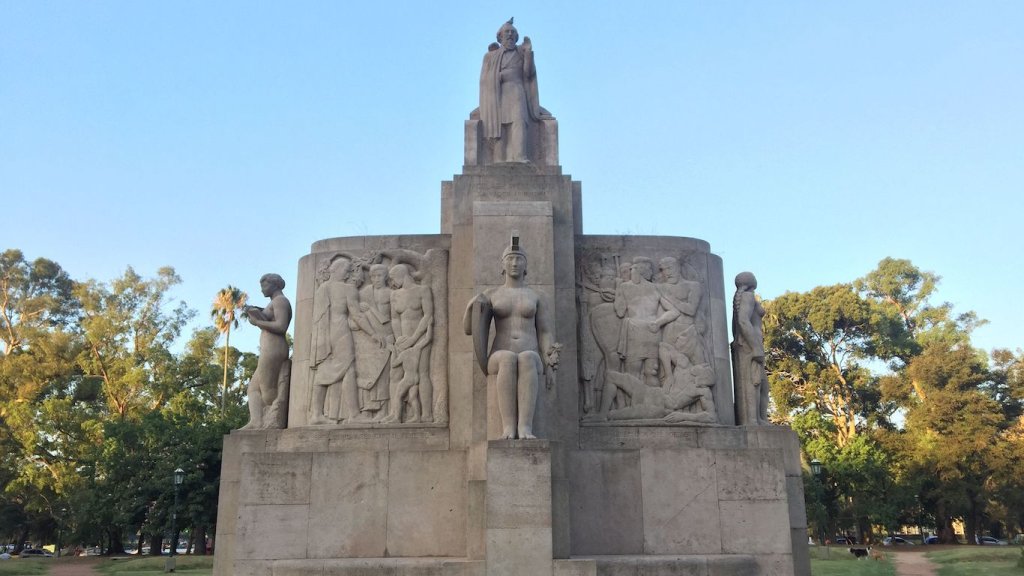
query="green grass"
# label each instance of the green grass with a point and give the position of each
(839, 562)
(969, 560)
(24, 567)
(147, 566)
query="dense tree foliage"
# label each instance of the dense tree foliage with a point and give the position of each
(98, 407)
(914, 424)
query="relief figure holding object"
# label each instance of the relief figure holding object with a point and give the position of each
(268, 385)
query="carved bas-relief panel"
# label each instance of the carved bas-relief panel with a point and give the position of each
(374, 353)
(645, 338)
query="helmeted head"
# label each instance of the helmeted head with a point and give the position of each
(513, 261)
(508, 35)
(746, 280)
(643, 267)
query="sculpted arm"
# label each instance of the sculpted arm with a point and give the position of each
(670, 313)
(529, 69)
(620, 302)
(276, 322)
(689, 306)
(423, 328)
(743, 315)
(359, 321)
(549, 349)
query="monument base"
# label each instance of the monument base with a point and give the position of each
(702, 500)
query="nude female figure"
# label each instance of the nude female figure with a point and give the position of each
(272, 320)
(521, 331)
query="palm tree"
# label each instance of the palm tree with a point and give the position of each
(226, 305)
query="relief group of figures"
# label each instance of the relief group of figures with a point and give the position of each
(373, 331)
(643, 344)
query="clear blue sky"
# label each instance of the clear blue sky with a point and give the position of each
(804, 140)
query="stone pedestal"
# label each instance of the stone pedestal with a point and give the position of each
(519, 536)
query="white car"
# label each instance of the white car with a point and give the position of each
(990, 541)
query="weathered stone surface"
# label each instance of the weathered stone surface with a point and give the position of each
(427, 504)
(519, 537)
(575, 567)
(677, 490)
(268, 532)
(781, 438)
(755, 527)
(253, 568)
(275, 478)
(713, 437)
(519, 551)
(606, 514)
(750, 475)
(795, 497)
(348, 505)
(801, 552)
(732, 566)
(519, 484)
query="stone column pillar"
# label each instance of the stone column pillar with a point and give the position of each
(519, 534)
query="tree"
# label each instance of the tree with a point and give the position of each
(39, 381)
(128, 334)
(34, 296)
(819, 345)
(227, 302)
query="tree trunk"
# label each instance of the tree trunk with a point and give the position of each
(20, 544)
(224, 387)
(200, 540)
(971, 521)
(115, 544)
(156, 544)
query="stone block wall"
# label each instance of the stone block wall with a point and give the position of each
(646, 494)
(309, 495)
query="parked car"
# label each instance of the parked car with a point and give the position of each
(931, 540)
(990, 541)
(896, 541)
(35, 553)
(845, 540)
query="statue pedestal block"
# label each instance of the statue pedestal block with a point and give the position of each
(519, 527)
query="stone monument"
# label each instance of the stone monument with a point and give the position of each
(456, 416)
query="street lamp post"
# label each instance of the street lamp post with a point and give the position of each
(816, 470)
(179, 477)
(60, 528)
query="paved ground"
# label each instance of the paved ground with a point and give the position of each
(79, 566)
(912, 564)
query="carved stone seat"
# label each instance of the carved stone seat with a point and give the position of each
(543, 142)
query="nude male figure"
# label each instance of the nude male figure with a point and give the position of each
(412, 319)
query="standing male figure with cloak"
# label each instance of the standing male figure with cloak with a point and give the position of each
(509, 99)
